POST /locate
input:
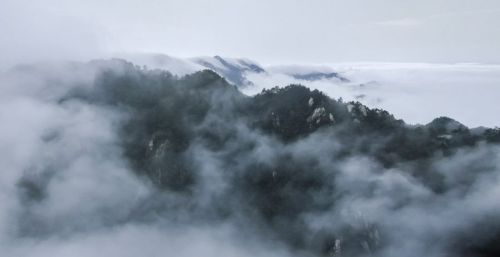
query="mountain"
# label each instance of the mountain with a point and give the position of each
(295, 166)
(237, 71)
(174, 65)
(309, 72)
(232, 69)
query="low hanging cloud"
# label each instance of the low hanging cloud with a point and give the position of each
(109, 158)
(415, 92)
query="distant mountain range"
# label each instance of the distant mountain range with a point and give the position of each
(235, 70)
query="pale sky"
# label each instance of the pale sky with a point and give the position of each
(270, 31)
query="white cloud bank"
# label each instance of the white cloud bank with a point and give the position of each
(415, 92)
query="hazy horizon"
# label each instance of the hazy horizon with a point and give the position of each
(351, 128)
(270, 31)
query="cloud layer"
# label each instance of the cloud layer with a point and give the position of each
(109, 158)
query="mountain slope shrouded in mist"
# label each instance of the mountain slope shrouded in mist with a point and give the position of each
(237, 71)
(437, 89)
(120, 148)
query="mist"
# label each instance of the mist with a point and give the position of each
(105, 157)
(238, 128)
(415, 92)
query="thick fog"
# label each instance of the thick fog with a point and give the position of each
(160, 157)
(104, 158)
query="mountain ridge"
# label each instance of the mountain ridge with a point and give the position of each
(278, 162)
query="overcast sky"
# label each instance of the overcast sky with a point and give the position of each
(279, 31)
